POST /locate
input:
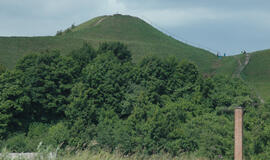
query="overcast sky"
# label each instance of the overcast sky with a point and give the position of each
(217, 25)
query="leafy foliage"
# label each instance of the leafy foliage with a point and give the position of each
(99, 97)
(12, 99)
(118, 49)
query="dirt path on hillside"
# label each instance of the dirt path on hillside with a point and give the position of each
(240, 68)
(98, 22)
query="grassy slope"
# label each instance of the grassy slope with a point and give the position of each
(13, 48)
(141, 38)
(257, 73)
(226, 65)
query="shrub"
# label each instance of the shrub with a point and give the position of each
(58, 134)
(17, 143)
(59, 33)
(118, 49)
(213, 134)
(37, 132)
(106, 130)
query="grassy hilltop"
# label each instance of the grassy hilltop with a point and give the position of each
(141, 38)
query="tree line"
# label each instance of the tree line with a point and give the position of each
(100, 99)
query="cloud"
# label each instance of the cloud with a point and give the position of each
(179, 17)
(171, 13)
(184, 17)
(39, 17)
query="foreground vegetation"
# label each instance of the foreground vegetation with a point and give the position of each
(88, 155)
(101, 155)
(98, 99)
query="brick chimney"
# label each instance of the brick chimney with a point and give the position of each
(238, 133)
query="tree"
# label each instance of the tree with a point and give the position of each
(103, 85)
(12, 102)
(37, 91)
(48, 80)
(83, 56)
(59, 33)
(167, 77)
(118, 49)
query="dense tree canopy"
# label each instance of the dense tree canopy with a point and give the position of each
(157, 105)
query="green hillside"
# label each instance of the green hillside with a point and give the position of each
(257, 73)
(141, 38)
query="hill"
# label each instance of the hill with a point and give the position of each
(141, 38)
(257, 73)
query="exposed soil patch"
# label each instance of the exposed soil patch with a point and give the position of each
(99, 21)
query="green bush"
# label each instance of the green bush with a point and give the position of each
(59, 33)
(118, 49)
(37, 132)
(107, 130)
(213, 134)
(58, 134)
(17, 143)
(81, 134)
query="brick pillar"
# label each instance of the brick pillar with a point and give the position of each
(238, 133)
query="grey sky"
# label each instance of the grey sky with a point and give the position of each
(226, 26)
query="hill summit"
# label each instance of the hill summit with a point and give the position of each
(140, 37)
